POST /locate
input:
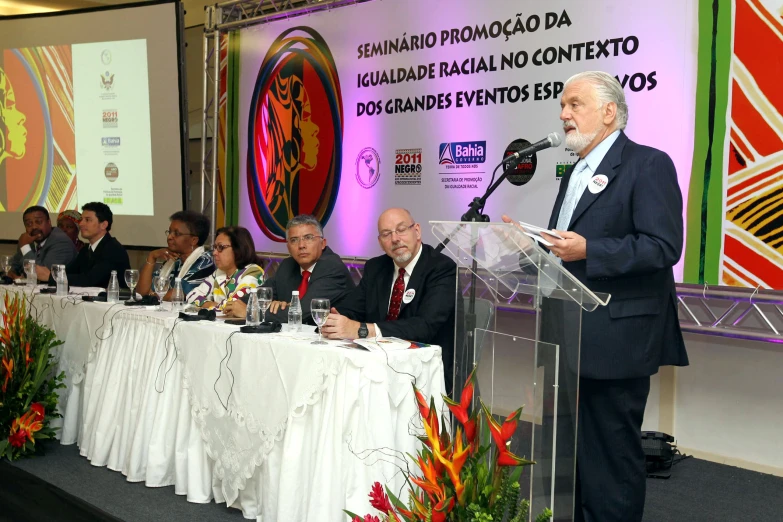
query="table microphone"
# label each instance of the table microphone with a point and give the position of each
(554, 139)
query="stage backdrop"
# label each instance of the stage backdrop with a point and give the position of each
(409, 103)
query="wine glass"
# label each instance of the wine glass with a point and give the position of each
(264, 299)
(132, 279)
(320, 311)
(161, 285)
(6, 264)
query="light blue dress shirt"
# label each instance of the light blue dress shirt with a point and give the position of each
(585, 169)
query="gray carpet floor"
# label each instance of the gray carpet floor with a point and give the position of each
(698, 491)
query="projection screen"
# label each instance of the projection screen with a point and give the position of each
(91, 109)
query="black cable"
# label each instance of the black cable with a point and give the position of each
(227, 357)
(176, 354)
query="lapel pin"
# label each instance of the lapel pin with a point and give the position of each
(597, 183)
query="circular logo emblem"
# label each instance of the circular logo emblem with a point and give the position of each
(409, 295)
(111, 172)
(526, 166)
(106, 57)
(295, 133)
(368, 167)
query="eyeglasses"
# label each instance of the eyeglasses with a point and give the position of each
(309, 238)
(217, 247)
(401, 230)
(176, 233)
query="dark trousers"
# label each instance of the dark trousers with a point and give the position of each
(610, 463)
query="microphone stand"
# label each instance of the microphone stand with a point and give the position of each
(475, 214)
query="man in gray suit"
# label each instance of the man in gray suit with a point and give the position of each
(313, 269)
(45, 244)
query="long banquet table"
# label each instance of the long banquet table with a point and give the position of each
(270, 424)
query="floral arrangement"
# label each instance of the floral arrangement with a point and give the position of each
(28, 386)
(459, 480)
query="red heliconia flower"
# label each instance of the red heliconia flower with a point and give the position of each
(27, 358)
(39, 410)
(367, 518)
(502, 434)
(17, 438)
(379, 499)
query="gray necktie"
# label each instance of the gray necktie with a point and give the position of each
(576, 186)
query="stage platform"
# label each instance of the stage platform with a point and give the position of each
(64, 486)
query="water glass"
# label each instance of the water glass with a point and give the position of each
(161, 286)
(264, 299)
(319, 308)
(132, 279)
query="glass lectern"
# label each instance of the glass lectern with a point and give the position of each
(519, 316)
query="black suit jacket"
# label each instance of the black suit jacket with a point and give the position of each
(634, 234)
(428, 318)
(94, 268)
(330, 280)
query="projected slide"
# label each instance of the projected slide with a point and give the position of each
(75, 127)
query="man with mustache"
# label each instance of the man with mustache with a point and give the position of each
(40, 241)
(619, 213)
(408, 293)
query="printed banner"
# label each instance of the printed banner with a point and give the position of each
(736, 205)
(408, 103)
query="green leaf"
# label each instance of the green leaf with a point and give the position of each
(395, 500)
(352, 515)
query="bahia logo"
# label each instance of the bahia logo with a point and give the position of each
(462, 152)
(110, 142)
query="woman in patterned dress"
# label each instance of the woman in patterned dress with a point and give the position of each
(234, 254)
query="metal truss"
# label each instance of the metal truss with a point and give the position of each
(209, 120)
(739, 313)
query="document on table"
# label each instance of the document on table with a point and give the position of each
(535, 232)
(383, 344)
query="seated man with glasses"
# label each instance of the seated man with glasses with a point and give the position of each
(183, 257)
(313, 269)
(408, 293)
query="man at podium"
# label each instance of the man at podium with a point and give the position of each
(619, 213)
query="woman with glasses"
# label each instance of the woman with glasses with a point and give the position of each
(184, 255)
(237, 272)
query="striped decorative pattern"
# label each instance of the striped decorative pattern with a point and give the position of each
(752, 252)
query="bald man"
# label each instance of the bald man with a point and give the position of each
(409, 292)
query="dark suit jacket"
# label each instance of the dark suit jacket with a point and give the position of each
(634, 234)
(330, 280)
(94, 268)
(58, 249)
(428, 318)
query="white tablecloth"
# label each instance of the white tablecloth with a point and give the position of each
(270, 424)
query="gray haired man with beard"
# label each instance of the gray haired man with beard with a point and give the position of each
(619, 212)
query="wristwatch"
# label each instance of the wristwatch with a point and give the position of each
(363, 331)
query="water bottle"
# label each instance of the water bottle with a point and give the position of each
(295, 313)
(177, 296)
(62, 282)
(253, 317)
(113, 290)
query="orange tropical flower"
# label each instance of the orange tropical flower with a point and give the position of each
(460, 409)
(8, 364)
(25, 427)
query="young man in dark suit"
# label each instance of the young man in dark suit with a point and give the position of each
(619, 212)
(409, 292)
(41, 242)
(313, 269)
(93, 265)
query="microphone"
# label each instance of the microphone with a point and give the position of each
(552, 140)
